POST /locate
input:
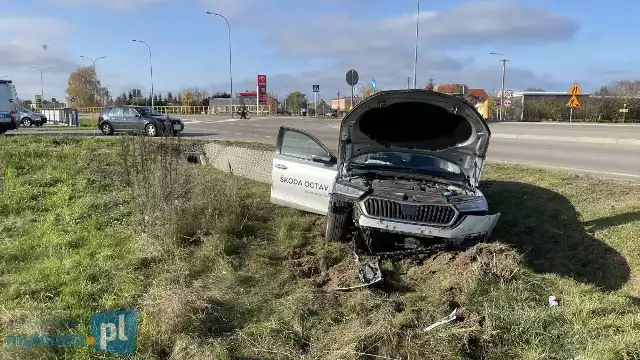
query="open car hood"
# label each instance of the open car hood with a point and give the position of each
(417, 121)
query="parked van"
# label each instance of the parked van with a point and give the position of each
(8, 106)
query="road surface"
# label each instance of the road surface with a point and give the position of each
(601, 159)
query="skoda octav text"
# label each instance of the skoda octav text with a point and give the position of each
(310, 185)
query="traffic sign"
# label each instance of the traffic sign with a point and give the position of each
(575, 90)
(508, 94)
(624, 110)
(72, 99)
(573, 102)
(373, 84)
(507, 102)
(352, 77)
(316, 88)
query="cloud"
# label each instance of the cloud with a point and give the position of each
(42, 46)
(382, 48)
(111, 4)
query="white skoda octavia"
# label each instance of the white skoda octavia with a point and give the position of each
(408, 162)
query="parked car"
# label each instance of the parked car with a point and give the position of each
(136, 119)
(29, 118)
(408, 162)
(8, 106)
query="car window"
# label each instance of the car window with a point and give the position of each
(115, 112)
(130, 112)
(105, 111)
(301, 146)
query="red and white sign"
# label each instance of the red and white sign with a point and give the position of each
(261, 81)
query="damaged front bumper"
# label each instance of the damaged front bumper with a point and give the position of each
(470, 227)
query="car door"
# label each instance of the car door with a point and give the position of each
(303, 172)
(116, 118)
(132, 119)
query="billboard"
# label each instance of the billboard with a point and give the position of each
(261, 81)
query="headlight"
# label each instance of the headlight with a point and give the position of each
(343, 189)
(473, 204)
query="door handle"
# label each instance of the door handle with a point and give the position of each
(280, 166)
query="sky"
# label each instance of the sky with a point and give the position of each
(297, 43)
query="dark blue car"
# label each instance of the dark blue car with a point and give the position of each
(137, 119)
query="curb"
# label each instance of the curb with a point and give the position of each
(584, 139)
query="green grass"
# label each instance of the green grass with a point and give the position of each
(216, 272)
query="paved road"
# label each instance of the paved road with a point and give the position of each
(605, 160)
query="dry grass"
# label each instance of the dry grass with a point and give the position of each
(216, 272)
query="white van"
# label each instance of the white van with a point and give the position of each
(8, 106)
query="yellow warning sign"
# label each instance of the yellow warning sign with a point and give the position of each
(573, 102)
(575, 90)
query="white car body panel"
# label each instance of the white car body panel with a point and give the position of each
(299, 182)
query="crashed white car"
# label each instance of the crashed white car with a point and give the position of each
(408, 162)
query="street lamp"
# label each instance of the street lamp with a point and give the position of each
(95, 90)
(150, 66)
(504, 69)
(230, 73)
(41, 82)
(415, 56)
(408, 81)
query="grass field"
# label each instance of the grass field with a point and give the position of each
(216, 272)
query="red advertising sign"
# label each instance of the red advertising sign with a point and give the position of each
(262, 89)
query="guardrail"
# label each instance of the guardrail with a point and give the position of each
(195, 110)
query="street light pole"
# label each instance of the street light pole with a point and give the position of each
(230, 72)
(41, 81)
(150, 67)
(415, 56)
(504, 70)
(95, 90)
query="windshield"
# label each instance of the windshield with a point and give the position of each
(405, 161)
(147, 111)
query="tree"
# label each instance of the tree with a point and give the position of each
(83, 85)
(170, 98)
(130, 96)
(295, 101)
(431, 84)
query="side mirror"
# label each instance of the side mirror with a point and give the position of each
(327, 160)
(138, 115)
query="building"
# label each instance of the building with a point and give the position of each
(343, 103)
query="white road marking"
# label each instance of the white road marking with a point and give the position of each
(566, 168)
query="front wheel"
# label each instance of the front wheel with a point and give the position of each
(151, 130)
(26, 122)
(338, 218)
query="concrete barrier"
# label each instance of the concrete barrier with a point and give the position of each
(248, 163)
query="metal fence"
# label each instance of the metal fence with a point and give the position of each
(196, 110)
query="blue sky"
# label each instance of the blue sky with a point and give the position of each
(297, 44)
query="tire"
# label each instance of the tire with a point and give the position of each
(26, 122)
(106, 129)
(151, 130)
(338, 221)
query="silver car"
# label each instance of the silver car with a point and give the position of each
(29, 118)
(408, 162)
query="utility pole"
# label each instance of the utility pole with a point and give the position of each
(415, 55)
(504, 70)
(150, 67)
(230, 73)
(95, 90)
(41, 81)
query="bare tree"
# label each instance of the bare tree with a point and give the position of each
(85, 87)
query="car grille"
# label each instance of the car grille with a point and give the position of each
(430, 214)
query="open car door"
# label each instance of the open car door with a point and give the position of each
(303, 172)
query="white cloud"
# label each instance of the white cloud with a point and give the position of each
(382, 48)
